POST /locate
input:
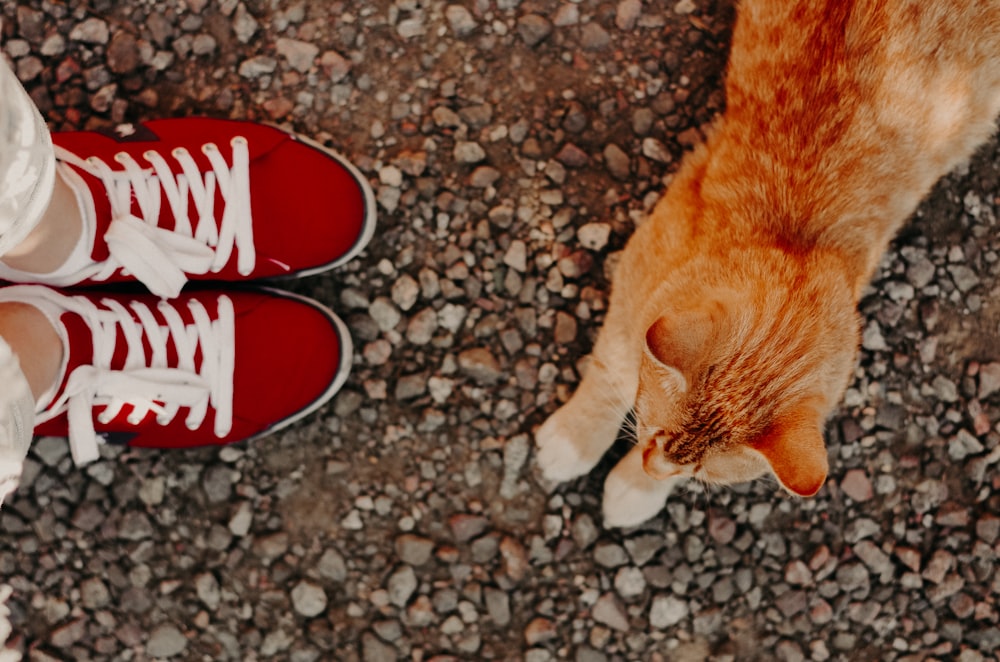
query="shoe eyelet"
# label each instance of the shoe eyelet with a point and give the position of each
(179, 152)
(148, 154)
(209, 147)
(239, 140)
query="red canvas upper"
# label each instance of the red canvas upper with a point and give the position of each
(281, 371)
(310, 209)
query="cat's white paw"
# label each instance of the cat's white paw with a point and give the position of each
(561, 455)
(630, 499)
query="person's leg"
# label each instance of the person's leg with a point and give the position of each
(27, 162)
(34, 342)
(52, 241)
(27, 176)
(6, 655)
(23, 332)
(31, 356)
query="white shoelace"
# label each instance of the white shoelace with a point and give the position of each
(161, 257)
(148, 385)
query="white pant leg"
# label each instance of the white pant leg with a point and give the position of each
(17, 420)
(27, 175)
(6, 655)
(27, 162)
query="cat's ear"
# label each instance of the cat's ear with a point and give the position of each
(794, 448)
(679, 341)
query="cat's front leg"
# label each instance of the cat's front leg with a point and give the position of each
(574, 438)
(631, 496)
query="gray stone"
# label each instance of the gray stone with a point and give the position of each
(401, 585)
(667, 611)
(572, 156)
(989, 380)
(610, 555)
(411, 386)
(873, 557)
(567, 14)
(584, 531)
(332, 565)
(609, 610)
(630, 582)
(627, 14)
(617, 162)
(123, 52)
(480, 364)
(593, 37)
(374, 649)
(964, 444)
(66, 635)
(460, 20)
(414, 550)
(872, 339)
(91, 31)
(791, 603)
(965, 278)
(242, 519)
(334, 65)
(422, 326)
(497, 606)
(594, 236)
(852, 576)
(94, 593)
(300, 54)
(857, 485)
(655, 150)
(166, 641)
(469, 152)
(134, 526)
(308, 599)
(50, 450)
(533, 28)
(217, 481)
(207, 588)
(861, 528)
(539, 630)
(257, 66)
(945, 389)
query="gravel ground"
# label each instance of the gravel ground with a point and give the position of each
(514, 145)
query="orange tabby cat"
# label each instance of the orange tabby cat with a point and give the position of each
(733, 324)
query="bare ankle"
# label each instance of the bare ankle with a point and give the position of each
(52, 241)
(36, 343)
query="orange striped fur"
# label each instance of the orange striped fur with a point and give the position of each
(733, 328)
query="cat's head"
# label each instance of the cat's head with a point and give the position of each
(736, 383)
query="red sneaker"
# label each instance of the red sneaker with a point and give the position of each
(207, 368)
(171, 200)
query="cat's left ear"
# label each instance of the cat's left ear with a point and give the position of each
(794, 448)
(681, 339)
